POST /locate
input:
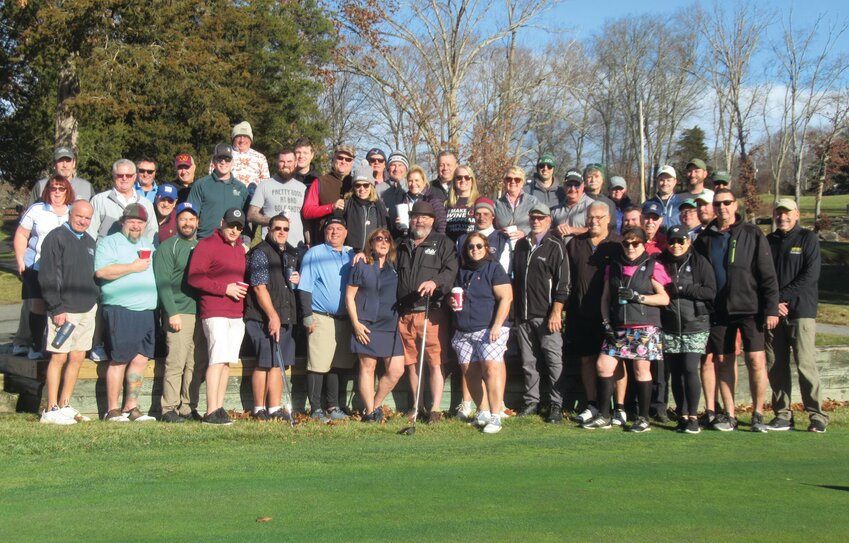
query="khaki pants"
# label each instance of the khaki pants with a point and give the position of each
(799, 337)
(184, 367)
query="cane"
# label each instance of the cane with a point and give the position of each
(410, 430)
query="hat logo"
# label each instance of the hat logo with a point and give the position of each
(237, 213)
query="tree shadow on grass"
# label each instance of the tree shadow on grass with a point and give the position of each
(831, 487)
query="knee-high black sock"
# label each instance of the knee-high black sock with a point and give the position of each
(299, 392)
(692, 383)
(37, 324)
(644, 397)
(676, 362)
(314, 383)
(331, 389)
(605, 395)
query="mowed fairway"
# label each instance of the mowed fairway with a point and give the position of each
(353, 482)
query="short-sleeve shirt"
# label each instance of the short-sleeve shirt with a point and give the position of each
(135, 291)
(324, 273)
(479, 302)
(275, 197)
(39, 219)
(258, 269)
(377, 295)
(659, 274)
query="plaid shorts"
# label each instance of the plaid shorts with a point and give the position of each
(475, 346)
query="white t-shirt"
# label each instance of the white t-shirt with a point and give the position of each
(274, 197)
(39, 219)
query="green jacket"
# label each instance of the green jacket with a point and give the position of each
(170, 263)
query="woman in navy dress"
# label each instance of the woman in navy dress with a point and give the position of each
(370, 297)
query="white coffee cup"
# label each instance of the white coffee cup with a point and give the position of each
(403, 211)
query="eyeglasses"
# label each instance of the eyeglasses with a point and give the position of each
(631, 244)
(376, 161)
(677, 241)
(279, 228)
(723, 203)
(512, 180)
(378, 239)
(545, 167)
(223, 159)
(475, 246)
(361, 185)
(123, 175)
(462, 178)
(58, 189)
(343, 158)
(149, 172)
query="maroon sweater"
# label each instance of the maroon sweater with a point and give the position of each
(214, 265)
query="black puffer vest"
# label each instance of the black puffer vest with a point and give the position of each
(633, 313)
(685, 315)
(282, 296)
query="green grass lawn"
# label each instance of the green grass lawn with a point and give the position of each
(833, 206)
(531, 482)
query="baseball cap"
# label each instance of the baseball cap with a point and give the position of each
(186, 206)
(721, 176)
(540, 209)
(677, 232)
(689, 202)
(668, 170)
(166, 191)
(698, 163)
(594, 166)
(574, 175)
(333, 219)
(546, 159)
(63, 152)
(134, 211)
(345, 150)
(183, 159)
(786, 203)
(375, 152)
(222, 149)
(705, 197)
(234, 215)
(617, 182)
(652, 208)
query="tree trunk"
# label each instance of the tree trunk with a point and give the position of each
(66, 129)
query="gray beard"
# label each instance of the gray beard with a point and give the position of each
(420, 233)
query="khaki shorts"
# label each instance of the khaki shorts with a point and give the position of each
(223, 338)
(330, 345)
(81, 337)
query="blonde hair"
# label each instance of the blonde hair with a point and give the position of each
(372, 194)
(515, 171)
(473, 193)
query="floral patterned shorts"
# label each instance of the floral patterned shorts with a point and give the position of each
(644, 343)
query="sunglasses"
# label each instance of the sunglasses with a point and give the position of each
(512, 180)
(236, 226)
(279, 228)
(141, 170)
(574, 186)
(377, 239)
(342, 158)
(475, 246)
(545, 167)
(723, 203)
(463, 178)
(223, 159)
(361, 185)
(58, 189)
(124, 175)
(631, 243)
(376, 161)
(679, 241)
(533, 218)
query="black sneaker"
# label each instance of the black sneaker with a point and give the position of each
(682, 426)
(555, 415)
(707, 419)
(195, 416)
(597, 423)
(780, 425)
(660, 416)
(261, 415)
(171, 416)
(529, 410)
(640, 425)
(724, 423)
(817, 427)
(218, 417)
(692, 427)
(758, 425)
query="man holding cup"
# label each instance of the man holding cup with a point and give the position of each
(128, 293)
(217, 271)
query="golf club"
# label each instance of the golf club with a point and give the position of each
(287, 394)
(410, 430)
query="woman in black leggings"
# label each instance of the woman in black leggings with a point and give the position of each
(686, 323)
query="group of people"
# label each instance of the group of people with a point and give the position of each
(375, 266)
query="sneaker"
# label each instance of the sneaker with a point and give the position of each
(724, 423)
(681, 427)
(587, 415)
(98, 354)
(481, 419)
(56, 416)
(707, 419)
(134, 415)
(758, 423)
(19, 350)
(72, 413)
(34, 355)
(692, 427)
(115, 415)
(817, 427)
(640, 425)
(660, 416)
(172, 417)
(319, 416)
(555, 415)
(464, 411)
(597, 423)
(434, 417)
(218, 417)
(493, 426)
(261, 415)
(780, 425)
(337, 414)
(620, 418)
(194, 416)
(280, 414)
(374, 416)
(529, 410)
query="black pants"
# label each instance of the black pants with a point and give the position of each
(686, 382)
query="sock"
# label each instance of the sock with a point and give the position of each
(258, 408)
(272, 410)
(619, 407)
(605, 394)
(644, 397)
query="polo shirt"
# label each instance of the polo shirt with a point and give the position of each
(324, 273)
(135, 291)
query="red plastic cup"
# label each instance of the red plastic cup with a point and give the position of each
(144, 254)
(242, 284)
(457, 294)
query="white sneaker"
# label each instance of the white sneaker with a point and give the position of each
(72, 413)
(586, 415)
(482, 419)
(19, 350)
(98, 354)
(620, 418)
(115, 415)
(464, 411)
(135, 415)
(493, 426)
(55, 416)
(32, 355)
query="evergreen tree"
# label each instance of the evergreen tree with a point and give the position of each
(690, 145)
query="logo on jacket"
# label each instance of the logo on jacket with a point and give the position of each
(430, 251)
(795, 250)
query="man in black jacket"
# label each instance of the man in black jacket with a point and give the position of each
(796, 254)
(540, 290)
(427, 266)
(746, 301)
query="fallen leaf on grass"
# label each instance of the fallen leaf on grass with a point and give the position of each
(263, 519)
